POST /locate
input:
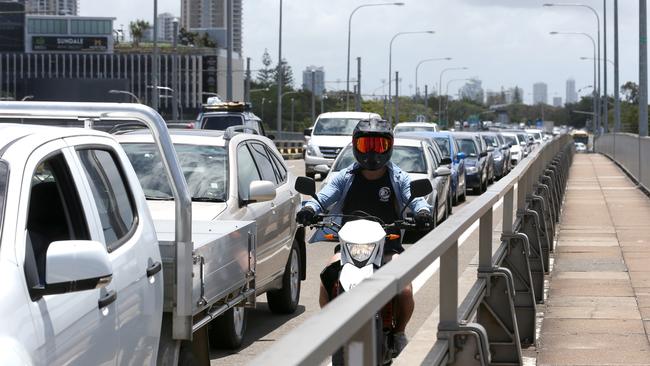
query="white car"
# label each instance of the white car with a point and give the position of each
(222, 169)
(331, 133)
(580, 147)
(517, 150)
(538, 135)
(415, 127)
(421, 159)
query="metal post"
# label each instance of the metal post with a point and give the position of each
(385, 102)
(449, 288)
(605, 102)
(617, 98)
(292, 114)
(279, 113)
(426, 96)
(508, 201)
(174, 71)
(247, 86)
(154, 72)
(358, 106)
(322, 104)
(229, 50)
(313, 95)
(643, 72)
(396, 97)
(485, 241)
(598, 102)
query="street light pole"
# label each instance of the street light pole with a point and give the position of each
(417, 90)
(440, 89)
(229, 50)
(606, 101)
(174, 70)
(595, 94)
(347, 82)
(279, 121)
(617, 97)
(643, 73)
(390, 60)
(154, 73)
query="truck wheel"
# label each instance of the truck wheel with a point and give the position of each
(285, 300)
(227, 331)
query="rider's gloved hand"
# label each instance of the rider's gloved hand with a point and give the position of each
(423, 219)
(306, 216)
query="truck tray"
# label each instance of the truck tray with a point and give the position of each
(223, 260)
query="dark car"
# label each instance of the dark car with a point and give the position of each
(499, 160)
(475, 162)
(489, 158)
(505, 150)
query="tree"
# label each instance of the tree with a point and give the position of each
(631, 91)
(266, 75)
(516, 98)
(137, 28)
(287, 74)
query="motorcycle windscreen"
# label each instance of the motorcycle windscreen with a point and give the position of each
(352, 276)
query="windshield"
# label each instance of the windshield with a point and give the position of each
(522, 137)
(4, 179)
(491, 140)
(443, 144)
(510, 139)
(335, 126)
(205, 169)
(400, 129)
(467, 146)
(407, 158)
(538, 136)
(221, 122)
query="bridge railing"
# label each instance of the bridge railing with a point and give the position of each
(503, 299)
(630, 151)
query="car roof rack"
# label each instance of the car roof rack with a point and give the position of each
(233, 130)
(226, 107)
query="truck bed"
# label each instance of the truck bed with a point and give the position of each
(221, 263)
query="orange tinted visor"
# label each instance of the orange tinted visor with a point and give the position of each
(373, 144)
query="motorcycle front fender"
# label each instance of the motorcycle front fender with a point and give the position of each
(352, 275)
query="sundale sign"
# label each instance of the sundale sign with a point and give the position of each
(41, 43)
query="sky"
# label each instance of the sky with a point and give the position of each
(505, 43)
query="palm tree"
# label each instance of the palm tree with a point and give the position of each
(137, 29)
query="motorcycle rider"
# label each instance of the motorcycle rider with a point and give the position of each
(379, 188)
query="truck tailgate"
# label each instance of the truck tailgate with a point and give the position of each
(223, 260)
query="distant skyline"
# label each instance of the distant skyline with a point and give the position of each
(503, 42)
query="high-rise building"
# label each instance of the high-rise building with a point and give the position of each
(209, 16)
(473, 90)
(52, 7)
(571, 95)
(557, 101)
(166, 27)
(540, 93)
(514, 93)
(319, 79)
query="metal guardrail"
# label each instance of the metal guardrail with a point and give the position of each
(504, 297)
(286, 135)
(630, 151)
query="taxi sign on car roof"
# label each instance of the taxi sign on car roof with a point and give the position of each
(227, 107)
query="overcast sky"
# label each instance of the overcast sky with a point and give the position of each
(502, 42)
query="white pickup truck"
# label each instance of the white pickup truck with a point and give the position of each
(80, 260)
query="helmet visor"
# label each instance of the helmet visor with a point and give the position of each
(367, 144)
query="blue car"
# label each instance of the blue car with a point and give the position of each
(449, 148)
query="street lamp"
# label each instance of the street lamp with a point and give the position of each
(347, 83)
(584, 87)
(596, 120)
(390, 60)
(113, 91)
(27, 97)
(417, 90)
(440, 88)
(447, 93)
(596, 91)
(591, 58)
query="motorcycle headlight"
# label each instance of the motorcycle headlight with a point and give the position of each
(360, 252)
(498, 157)
(472, 169)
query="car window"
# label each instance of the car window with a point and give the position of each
(278, 163)
(510, 139)
(335, 126)
(468, 146)
(402, 129)
(409, 158)
(246, 171)
(264, 164)
(436, 163)
(443, 144)
(522, 137)
(221, 122)
(205, 169)
(491, 140)
(344, 160)
(55, 213)
(113, 199)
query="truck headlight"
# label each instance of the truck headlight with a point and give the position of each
(360, 252)
(472, 169)
(311, 149)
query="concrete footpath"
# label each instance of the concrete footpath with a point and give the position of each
(598, 307)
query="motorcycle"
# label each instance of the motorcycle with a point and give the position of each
(361, 240)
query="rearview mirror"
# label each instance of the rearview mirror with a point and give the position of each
(483, 154)
(306, 186)
(270, 137)
(490, 149)
(442, 171)
(421, 188)
(461, 155)
(523, 143)
(445, 161)
(76, 265)
(322, 168)
(261, 191)
(307, 131)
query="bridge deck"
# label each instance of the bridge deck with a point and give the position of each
(597, 311)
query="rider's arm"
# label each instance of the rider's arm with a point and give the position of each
(330, 193)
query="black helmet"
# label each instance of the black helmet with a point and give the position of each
(372, 143)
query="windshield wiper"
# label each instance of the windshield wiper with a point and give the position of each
(207, 199)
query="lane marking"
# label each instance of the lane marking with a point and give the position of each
(423, 277)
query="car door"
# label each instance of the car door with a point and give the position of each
(280, 232)
(262, 212)
(73, 328)
(127, 231)
(438, 182)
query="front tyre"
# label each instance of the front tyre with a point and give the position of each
(227, 331)
(285, 300)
